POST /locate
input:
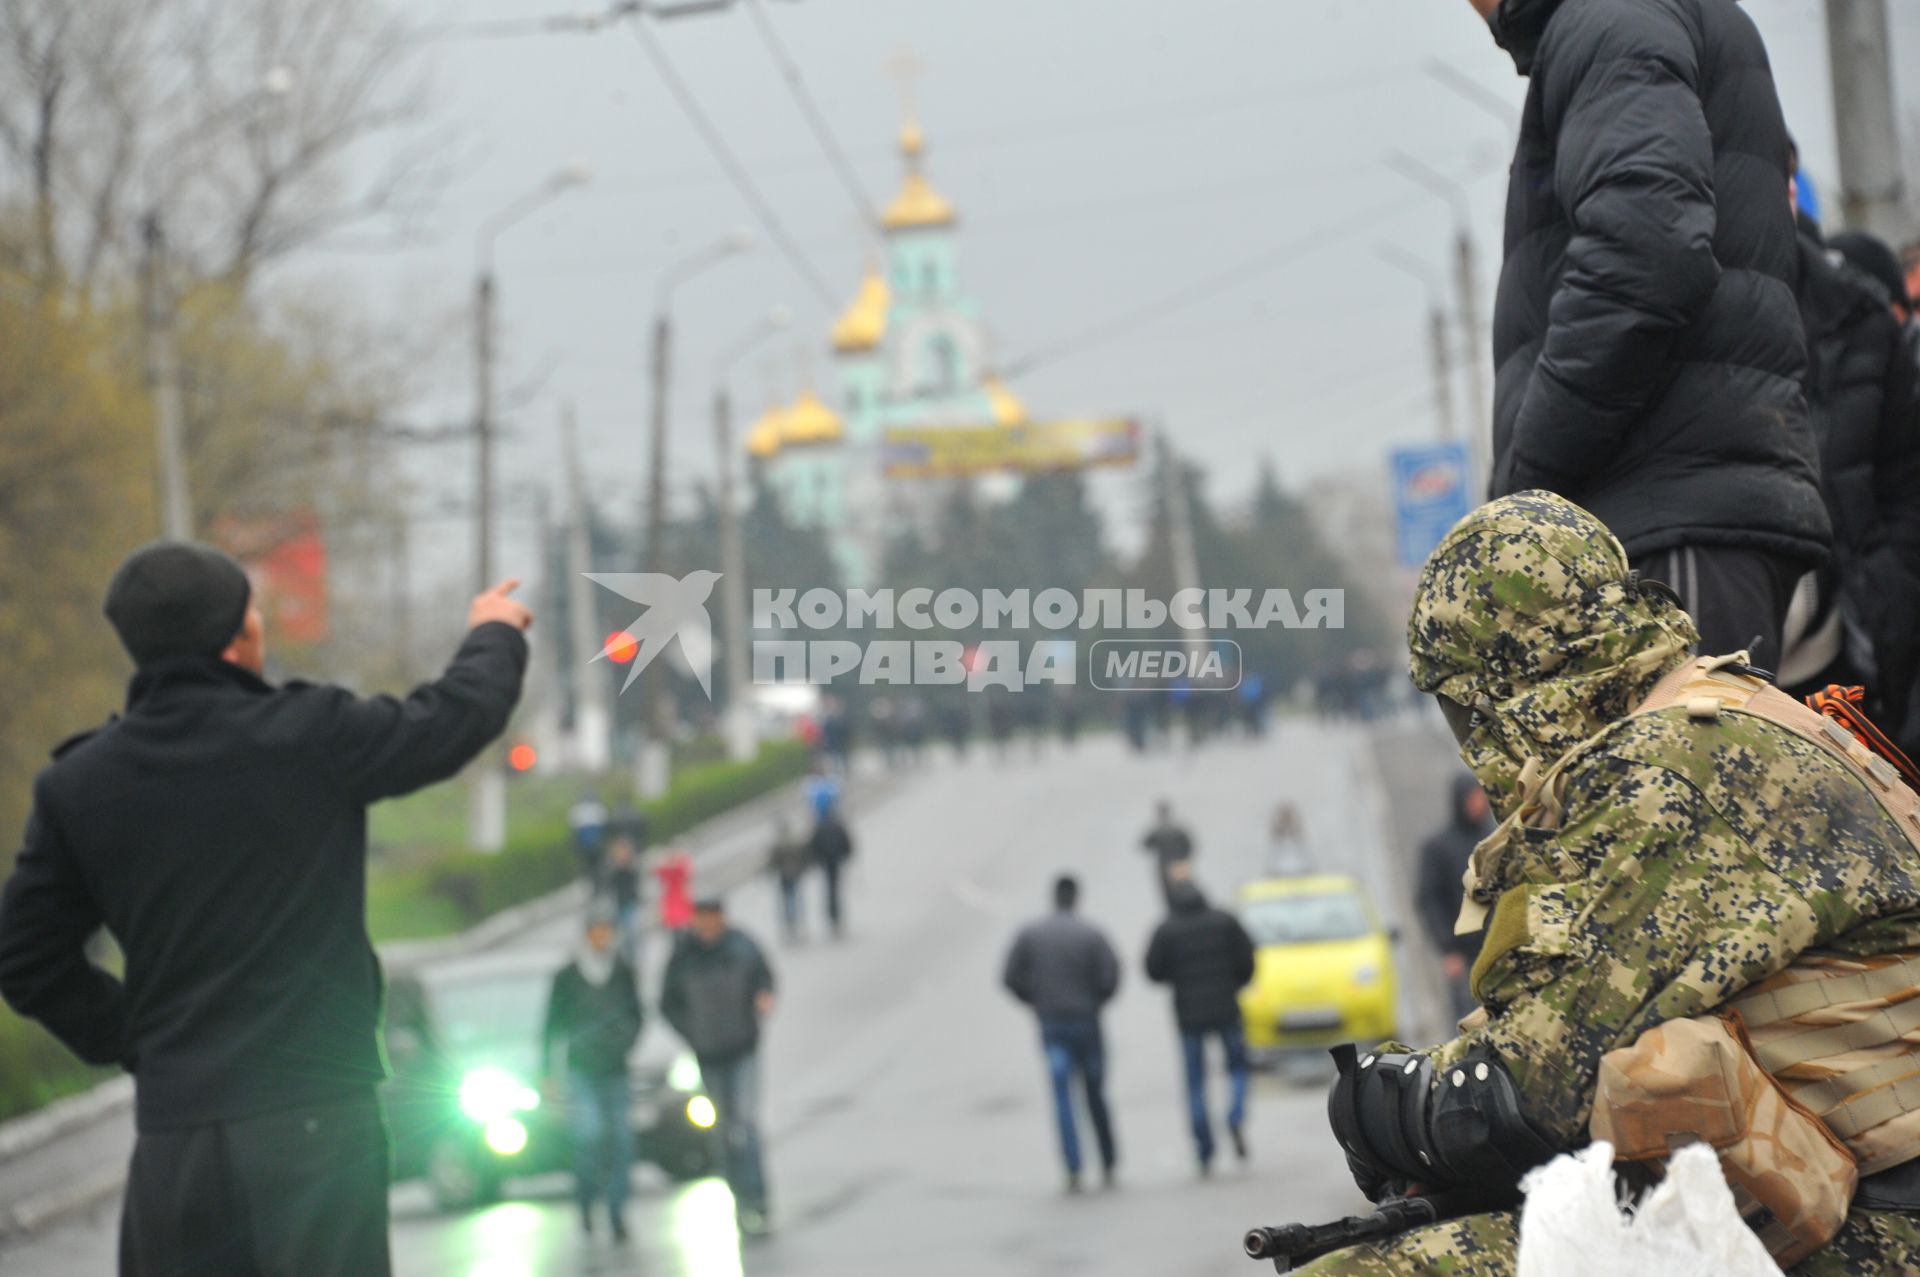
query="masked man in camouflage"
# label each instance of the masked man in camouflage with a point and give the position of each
(1668, 865)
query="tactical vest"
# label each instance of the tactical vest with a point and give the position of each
(1840, 1033)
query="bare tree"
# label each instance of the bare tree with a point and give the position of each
(235, 122)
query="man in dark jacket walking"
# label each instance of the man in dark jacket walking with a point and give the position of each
(218, 831)
(1647, 348)
(1862, 611)
(1443, 863)
(716, 991)
(832, 847)
(1170, 845)
(1207, 956)
(593, 1020)
(1066, 971)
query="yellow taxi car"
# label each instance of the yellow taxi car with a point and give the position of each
(1323, 969)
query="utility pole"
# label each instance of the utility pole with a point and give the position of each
(483, 431)
(163, 385)
(737, 719)
(1437, 354)
(592, 725)
(1872, 189)
(1186, 561)
(652, 765)
(1473, 351)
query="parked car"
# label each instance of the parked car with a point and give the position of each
(465, 1104)
(1323, 966)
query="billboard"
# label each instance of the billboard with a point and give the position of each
(285, 556)
(945, 452)
(1430, 495)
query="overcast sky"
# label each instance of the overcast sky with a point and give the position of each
(1102, 154)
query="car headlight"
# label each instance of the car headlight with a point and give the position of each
(506, 1136)
(684, 1075)
(701, 1113)
(489, 1094)
(1365, 975)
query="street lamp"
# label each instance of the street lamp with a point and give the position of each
(573, 174)
(1480, 424)
(487, 820)
(1400, 259)
(653, 762)
(737, 720)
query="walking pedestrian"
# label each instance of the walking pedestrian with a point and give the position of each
(1648, 353)
(673, 870)
(620, 882)
(831, 846)
(1443, 863)
(1066, 971)
(217, 829)
(1207, 957)
(1287, 850)
(788, 861)
(593, 1020)
(587, 823)
(716, 992)
(1168, 842)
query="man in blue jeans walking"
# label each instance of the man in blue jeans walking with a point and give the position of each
(716, 992)
(1207, 956)
(1064, 969)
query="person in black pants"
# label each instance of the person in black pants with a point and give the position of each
(1207, 957)
(1063, 967)
(218, 831)
(593, 1020)
(832, 847)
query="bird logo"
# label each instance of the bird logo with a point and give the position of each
(676, 607)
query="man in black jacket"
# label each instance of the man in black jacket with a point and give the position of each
(1647, 348)
(1443, 864)
(593, 1020)
(1066, 971)
(1863, 609)
(218, 831)
(716, 991)
(831, 846)
(1207, 956)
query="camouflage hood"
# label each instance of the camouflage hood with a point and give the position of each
(1526, 613)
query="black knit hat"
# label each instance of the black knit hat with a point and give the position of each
(1870, 255)
(177, 598)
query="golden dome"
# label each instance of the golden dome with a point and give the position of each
(864, 323)
(811, 421)
(1005, 405)
(917, 204)
(764, 440)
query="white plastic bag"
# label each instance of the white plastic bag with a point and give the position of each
(1573, 1226)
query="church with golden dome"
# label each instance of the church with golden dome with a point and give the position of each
(909, 351)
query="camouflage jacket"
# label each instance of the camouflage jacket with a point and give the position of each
(1665, 864)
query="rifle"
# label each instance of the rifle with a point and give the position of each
(1293, 1244)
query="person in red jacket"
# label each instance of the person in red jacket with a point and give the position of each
(674, 870)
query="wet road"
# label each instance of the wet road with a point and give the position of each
(908, 1121)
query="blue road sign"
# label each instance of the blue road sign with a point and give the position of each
(1429, 496)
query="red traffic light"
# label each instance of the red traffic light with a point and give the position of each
(620, 647)
(522, 757)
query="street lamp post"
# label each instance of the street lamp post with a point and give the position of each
(655, 729)
(737, 719)
(1466, 282)
(1438, 363)
(487, 817)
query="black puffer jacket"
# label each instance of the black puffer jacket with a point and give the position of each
(1646, 343)
(1206, 955)
(1861, 385)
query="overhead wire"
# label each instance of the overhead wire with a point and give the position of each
(710, 134)
(810, 111)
